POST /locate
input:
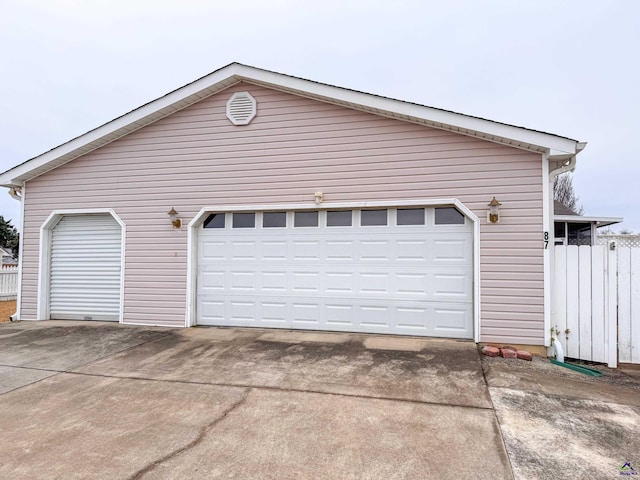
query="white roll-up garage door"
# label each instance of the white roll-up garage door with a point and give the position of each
(85, 268)
(397, 270)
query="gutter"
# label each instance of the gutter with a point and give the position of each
(569, 165)
(16, 193)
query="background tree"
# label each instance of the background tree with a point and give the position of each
(9, 236)
(564, 193)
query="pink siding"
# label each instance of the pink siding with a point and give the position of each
(293, 148)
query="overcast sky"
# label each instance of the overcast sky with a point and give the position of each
(567, 67)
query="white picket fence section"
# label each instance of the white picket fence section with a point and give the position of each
(596, 303)
(8, 283)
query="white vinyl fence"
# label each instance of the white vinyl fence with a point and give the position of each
(8, 283)
(596, 303)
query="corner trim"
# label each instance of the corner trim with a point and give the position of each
(547, 226)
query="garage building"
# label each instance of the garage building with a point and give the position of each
(252, 198)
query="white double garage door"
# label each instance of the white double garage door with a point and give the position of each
(395, 270)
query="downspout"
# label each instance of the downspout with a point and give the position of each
(559, 360)
(568, 165)
(557, 348)
(16, 194)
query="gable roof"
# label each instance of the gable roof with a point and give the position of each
(518, 137)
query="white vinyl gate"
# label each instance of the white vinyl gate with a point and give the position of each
(596, 303)
(85, 268)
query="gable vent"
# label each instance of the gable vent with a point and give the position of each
(241, 108)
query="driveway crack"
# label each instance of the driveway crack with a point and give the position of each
(497, 419)
(203, 433)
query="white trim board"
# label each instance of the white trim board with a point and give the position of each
(547, 245)
(20, 255)
(198, 219)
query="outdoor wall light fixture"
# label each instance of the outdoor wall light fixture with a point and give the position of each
(494, 211)
(173, 215)
(319, 196)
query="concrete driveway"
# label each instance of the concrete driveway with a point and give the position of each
(98, 400)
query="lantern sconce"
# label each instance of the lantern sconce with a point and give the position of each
(494, 211)
(173, 215)
(319, 196)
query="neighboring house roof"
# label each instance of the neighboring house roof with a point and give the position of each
(559, 148)
(6, 257)
(560, 209)
(564, 214)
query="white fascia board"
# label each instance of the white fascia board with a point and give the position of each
(233, 73)
(555, 144)
(125, 124)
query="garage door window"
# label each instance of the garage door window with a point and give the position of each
(274, 219)
(449, 216)
(411, 216)
(244, 220)
(373, 217)
(305, 219)
(215, 220)
(341, 218)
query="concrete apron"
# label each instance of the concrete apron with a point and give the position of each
(237, 403)
(560, 424)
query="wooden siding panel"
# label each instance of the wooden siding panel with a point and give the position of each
(294, 147)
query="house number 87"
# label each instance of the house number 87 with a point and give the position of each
(546, 240)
